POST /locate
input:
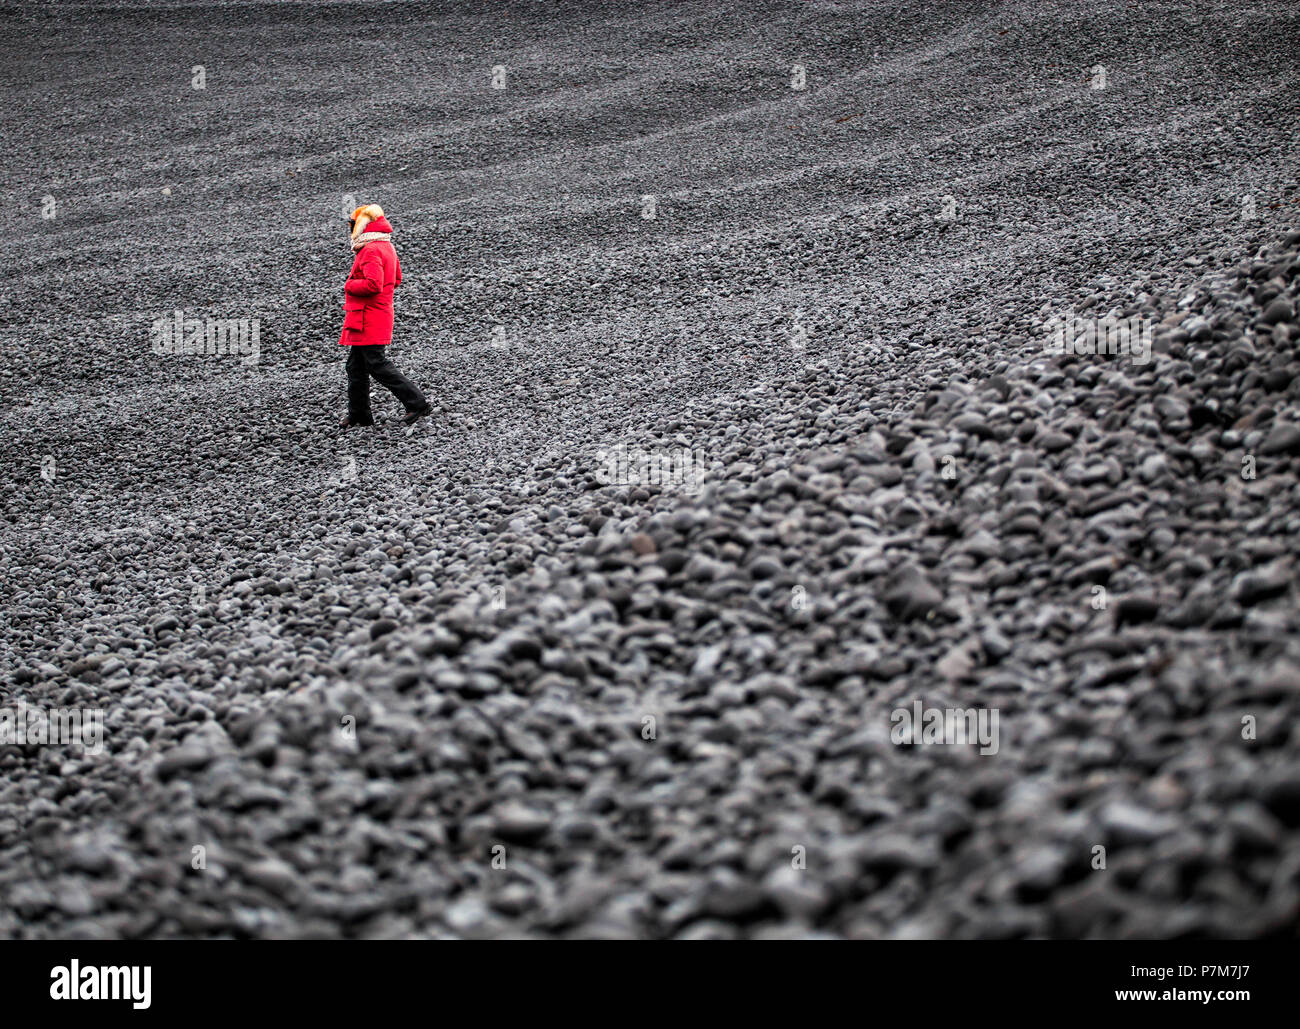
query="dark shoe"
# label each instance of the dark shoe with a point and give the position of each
(411, 417)
(348, 423)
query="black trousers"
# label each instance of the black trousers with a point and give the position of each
(366, 361)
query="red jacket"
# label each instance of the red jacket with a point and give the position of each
(368, 293)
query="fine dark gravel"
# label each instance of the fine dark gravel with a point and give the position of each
(457, 682)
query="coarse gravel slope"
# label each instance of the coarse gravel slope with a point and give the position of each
(453, 682)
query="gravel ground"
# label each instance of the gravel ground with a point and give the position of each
(457, 682)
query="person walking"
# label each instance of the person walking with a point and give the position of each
(368, 320)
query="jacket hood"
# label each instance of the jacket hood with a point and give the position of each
(366, 215)
(379, 224)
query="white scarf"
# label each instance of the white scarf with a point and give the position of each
(370, 237)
